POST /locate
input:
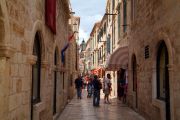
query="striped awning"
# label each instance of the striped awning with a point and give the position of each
(118, 59)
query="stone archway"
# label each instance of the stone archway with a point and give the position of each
(133, 82)
(162, 76)
(163, 37)
(40, 106)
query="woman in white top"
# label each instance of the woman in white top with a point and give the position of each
(107, 88)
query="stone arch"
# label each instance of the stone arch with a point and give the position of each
(131, 60)
(134, 79)
(38, 29)
(162, 37)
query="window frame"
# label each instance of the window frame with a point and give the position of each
(37, 53)
(159, 81)
(124, 16)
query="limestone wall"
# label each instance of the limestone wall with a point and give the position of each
(20, 20)
(155, 20)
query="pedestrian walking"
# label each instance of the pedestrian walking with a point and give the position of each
(79, 86)
(97, 87)
(107, 88)
(89, 89)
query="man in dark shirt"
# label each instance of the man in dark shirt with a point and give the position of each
(97, 87)
(79, 86)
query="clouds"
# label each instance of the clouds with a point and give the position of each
(90, 12)
(83, 34)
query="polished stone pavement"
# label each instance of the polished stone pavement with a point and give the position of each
(84, 110)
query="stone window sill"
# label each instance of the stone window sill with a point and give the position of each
(39, 107)
(161, 105)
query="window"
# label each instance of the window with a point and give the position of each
(162, 72)
(76, 53)
(104, 28)
(109, 12)
(119, 22)
(125, 15)
(36, 71)
(55, 83)
(114, 35)
(133, 9)
(113, 4)
(93, 58)
(108, 44)
(134, 69)
(98, 37)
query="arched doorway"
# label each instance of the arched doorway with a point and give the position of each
(163, 92)
(55, 82)
(36, 73)
(134, 78)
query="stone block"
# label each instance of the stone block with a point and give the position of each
(12, 102)
(26, 84)
(19, 85)
(12, 85)
(26, 98)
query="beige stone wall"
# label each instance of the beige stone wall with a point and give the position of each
(155, 21)
(19, 22)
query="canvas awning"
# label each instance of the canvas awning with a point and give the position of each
(118, 59)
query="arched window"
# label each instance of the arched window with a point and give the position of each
(113, 4)
(133, 9)
(55, 82)
(119, 22)
(163, 90)
(124, 15)
(162, 72)
(134, 73)
(134, 69)
(36, 70)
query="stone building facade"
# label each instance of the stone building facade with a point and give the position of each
(117, 42)
(33, 80)
(73, 55)
(154, 59)
(108, 39)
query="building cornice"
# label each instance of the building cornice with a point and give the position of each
(94, 28)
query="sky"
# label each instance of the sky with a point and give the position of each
(89, 11)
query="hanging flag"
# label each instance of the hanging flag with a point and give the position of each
(50, 14)
(65, 48)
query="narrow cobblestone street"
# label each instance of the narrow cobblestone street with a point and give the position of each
(84, 110)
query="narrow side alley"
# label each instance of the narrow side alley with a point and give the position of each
(84, 110)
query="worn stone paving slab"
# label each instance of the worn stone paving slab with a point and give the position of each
(84, 110)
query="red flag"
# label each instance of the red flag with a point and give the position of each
(51, 14)
(71, 37)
